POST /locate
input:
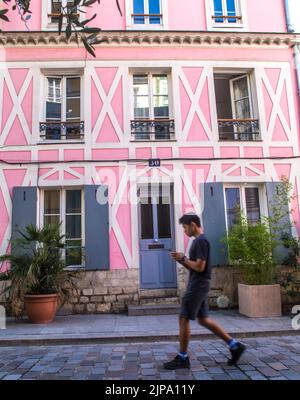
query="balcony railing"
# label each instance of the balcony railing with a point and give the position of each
(146, 19)
(239, 129)
(62, 130)
(156, 129)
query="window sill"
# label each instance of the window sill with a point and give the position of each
(153, 141)
(60, 142)
(145, 27)
(240, 141)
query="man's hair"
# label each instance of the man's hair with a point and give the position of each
(187, 219)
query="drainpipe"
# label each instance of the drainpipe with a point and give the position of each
(291, 28)
(288, 13)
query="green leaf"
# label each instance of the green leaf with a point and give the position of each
(88, 48)
(68, 31)
(91, 30)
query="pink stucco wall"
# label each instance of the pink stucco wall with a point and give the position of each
(182, 15)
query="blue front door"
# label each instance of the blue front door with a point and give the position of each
(156, 223)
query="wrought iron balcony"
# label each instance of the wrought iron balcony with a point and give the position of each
(156, 129)
(239, 129)
(62, 130)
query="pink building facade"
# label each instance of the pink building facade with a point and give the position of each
(209, 90)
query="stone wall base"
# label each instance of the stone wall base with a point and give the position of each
(112, 291)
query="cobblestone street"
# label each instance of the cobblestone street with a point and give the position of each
(272, 358)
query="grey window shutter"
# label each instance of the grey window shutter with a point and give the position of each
(96, 229)
(280, 252)
(214, 222)
(24, 210)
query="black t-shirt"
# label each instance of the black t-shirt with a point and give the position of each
(200, 248)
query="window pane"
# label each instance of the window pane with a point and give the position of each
(252, 205)
(140, 85)
(51, 202)
(146, 220)
(163, 220)
(141, 96)
(161, 106)
(240, 88)
(53, 103)
(73, 87)
(73, 109)
(231, 10)
(73, 226)
(138, 8)
(218, 10)
(73, 201)
(160, 84)
(73, 252)
(232, 204)
(154, 8)
(51, 219)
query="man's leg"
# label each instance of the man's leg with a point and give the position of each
(184, 334)
(236, 348)
(215, 328)
(182, 359)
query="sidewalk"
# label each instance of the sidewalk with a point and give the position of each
(119, 328)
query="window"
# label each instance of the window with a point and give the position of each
(65, 206)
(62, 109)
(237, 116)
(226, 14)
(151, 107)
(57, 8)
(245, 198)
(146, 14)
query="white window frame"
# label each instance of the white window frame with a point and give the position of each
(151, 108)
(62, 205)
(46, 10)
(62, 75)
(164, 19)
(263, 204)
(239, 26)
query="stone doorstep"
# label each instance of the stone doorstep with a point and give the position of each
(157, 309)
(157, 293)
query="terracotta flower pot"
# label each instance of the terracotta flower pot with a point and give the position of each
(258, 301)
(41, 309)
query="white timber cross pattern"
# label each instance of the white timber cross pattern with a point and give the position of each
(107, 108)
(195, 107)
(17, 107)
(275, 96)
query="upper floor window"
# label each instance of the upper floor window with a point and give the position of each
(152, 115)
(226, 14)
(62, 109)
(146, 14)
(53, 9)
(236, 107)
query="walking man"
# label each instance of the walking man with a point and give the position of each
(195, 300)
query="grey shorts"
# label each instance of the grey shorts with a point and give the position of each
(194, 303)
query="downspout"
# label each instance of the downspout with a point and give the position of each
(291, 28)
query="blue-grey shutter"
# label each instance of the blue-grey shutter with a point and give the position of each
(280, 252)
(24, 210)
(96, 229)
(214, 222)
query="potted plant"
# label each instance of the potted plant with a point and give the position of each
(250, 249)
(37, 273)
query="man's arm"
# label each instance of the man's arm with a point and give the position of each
(198, 266)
